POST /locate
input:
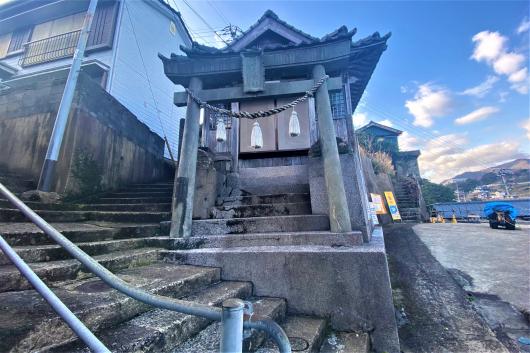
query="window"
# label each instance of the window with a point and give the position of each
(5, 39)
(338, 104)
(18, 39)
(59, 26)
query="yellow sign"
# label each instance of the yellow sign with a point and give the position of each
(379, 205)
(392, 206)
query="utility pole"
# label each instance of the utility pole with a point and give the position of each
(502, 173)
(47, 176)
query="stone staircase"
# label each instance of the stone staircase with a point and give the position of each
(407, 201)
(126, 231)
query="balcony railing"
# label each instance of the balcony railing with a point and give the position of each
(50, 49)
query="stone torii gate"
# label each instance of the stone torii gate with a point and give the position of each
(269, 62)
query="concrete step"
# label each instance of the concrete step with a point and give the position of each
(21, 234)
(132, 200)
(305, 334)
(161, 330)
(42, 253)
(139, 207)
(55, 271)
(269, 239)
(267, 199)
(263, 210)
(257, 225)
(28, 324)
(154, 187)
(342, 342)
(13, 215)
(208, 340)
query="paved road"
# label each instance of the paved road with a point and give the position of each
(494, 261)
(438, 316)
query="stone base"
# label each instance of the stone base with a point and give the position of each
(350, 286)
(353, 186)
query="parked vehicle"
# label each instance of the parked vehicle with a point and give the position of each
(501, 214)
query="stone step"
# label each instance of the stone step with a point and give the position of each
(13, 215)
(208, 340)
(167, 188)
(161, 330)
(21, 234)
(42, 253)
(263, 210)
(305, 335)
(342, 342)
(269, 239)
(139, 207)
(132, 200)
(267, 199)
(55, 271)
(28, 324)
(157, 184)
(136, 194)
(276, 224)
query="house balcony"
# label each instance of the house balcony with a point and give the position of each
(50, 49)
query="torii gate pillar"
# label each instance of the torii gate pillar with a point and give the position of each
(184, 187)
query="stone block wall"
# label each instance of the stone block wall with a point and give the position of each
(120, 148)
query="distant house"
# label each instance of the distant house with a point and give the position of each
(39, 37)
(385, 138)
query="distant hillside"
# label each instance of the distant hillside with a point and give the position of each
(516, 164)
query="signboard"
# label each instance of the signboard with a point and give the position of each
(378, 203)
(373, 213)
(392, 206)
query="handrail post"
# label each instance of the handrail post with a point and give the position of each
(232, 326)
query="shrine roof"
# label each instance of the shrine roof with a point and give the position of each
(299, 39)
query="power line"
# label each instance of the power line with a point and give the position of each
(218, 12)
(203, 20)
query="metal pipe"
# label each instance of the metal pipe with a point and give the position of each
(62, 310)
(54, 147)
(232, 328)
(190, 308)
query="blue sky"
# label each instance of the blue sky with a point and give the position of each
(454, 77)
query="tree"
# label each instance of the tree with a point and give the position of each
(433, 193)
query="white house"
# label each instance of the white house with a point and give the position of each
(39, 36)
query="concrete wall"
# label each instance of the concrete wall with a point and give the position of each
(406, 164)
(123, 149)
(377, 184)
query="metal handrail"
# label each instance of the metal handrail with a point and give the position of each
(181, 306)
(49, 49)
(75, 324)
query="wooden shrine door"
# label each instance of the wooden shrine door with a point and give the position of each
(275, 129)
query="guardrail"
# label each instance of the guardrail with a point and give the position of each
(227, 315)
(50, 49)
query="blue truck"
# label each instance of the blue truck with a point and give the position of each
(501, 214)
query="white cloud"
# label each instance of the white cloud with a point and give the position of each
(521, 88)
(359, 119)
(508, 63)
(524, 26)
(429, 102)
(488, 45)
(491, 48)
(444, 157)
(408, 142)
(519, 76)
(526, 126)
(386, 122)
(476, 115)
(482, 89)
(502, 96)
